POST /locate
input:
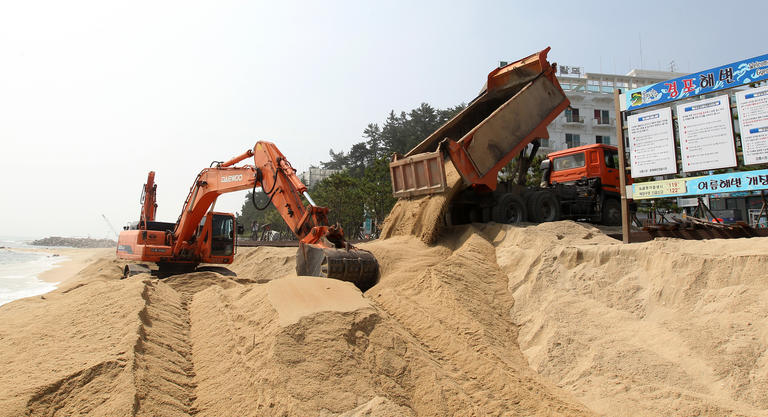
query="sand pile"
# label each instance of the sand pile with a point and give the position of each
(667, 327)
(212, 343)
(554, 319)
(422, 216)
(454, 300)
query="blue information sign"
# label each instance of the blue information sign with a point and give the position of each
(727, 76)
(731, 182)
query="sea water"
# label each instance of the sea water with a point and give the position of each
(19, 270)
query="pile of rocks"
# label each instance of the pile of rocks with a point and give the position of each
(75, 242)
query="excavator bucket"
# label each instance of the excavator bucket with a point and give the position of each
(347, 264)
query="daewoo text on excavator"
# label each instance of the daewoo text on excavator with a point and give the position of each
(203, 236)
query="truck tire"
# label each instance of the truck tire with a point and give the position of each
(479, 215)
(611, 213)
(546, 208)
(530, 204)
(509, 209)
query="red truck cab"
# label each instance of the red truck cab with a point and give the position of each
(588, 161)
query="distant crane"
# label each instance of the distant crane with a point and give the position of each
(110, 225)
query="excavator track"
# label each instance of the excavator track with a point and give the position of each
(349, 264)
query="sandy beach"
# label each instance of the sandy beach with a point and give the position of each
(551, 319)
(73, 260)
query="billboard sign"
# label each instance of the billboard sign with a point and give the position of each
(706, 134)
(753, 123)
(562, 70)
(727, 76)
(656, 189)
(652, 143)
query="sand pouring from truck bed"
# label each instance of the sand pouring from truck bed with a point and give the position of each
(422, 216)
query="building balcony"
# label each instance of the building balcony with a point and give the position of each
(574, 119)
(604, 123)
(603, 97)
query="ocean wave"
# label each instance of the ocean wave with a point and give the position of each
(19, 274)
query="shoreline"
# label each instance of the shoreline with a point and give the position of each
(73, 261)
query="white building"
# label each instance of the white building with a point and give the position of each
(592, 116)
(315, 175)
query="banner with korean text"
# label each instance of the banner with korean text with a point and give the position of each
(731, 182)
(727, 76)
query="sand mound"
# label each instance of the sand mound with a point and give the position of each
(87, 348)
(456, 303)
(263, 263)
(553, 319)
(667, 327)
(306, 346)
(422, 216)
(259, 343)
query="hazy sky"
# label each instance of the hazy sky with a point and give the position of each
(94, 94)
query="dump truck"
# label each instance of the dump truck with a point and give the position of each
(510, 115)
(203, 236)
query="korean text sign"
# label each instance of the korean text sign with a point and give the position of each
(727, 76)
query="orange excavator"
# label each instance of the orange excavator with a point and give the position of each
(201, 235)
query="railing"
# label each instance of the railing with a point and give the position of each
(574, 119)
(604, 123)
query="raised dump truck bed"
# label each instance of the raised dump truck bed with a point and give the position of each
(512, 111)
(518, 101)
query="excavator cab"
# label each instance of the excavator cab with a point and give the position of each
(217, 232)
(222, 234)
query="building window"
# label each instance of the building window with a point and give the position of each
(572, 115)
(602, 117)
(572, 140)
(717, 204)
(603, 139)
(544, 143)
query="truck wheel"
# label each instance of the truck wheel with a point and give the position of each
(611, 215)
(530, 205)
(510, 209)
(478, 215)
(547, 207)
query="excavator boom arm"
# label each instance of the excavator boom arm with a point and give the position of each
(148, 199)
(273, 173)
(208, 186)
(322, 252)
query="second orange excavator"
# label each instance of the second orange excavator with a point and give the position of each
(201, 235)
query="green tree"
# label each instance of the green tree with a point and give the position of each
(376, 188)
(343, 195)
(364, 187)
(338, 160)
(374, 143)
(399, 133)
(357, 159)
(268, 216)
